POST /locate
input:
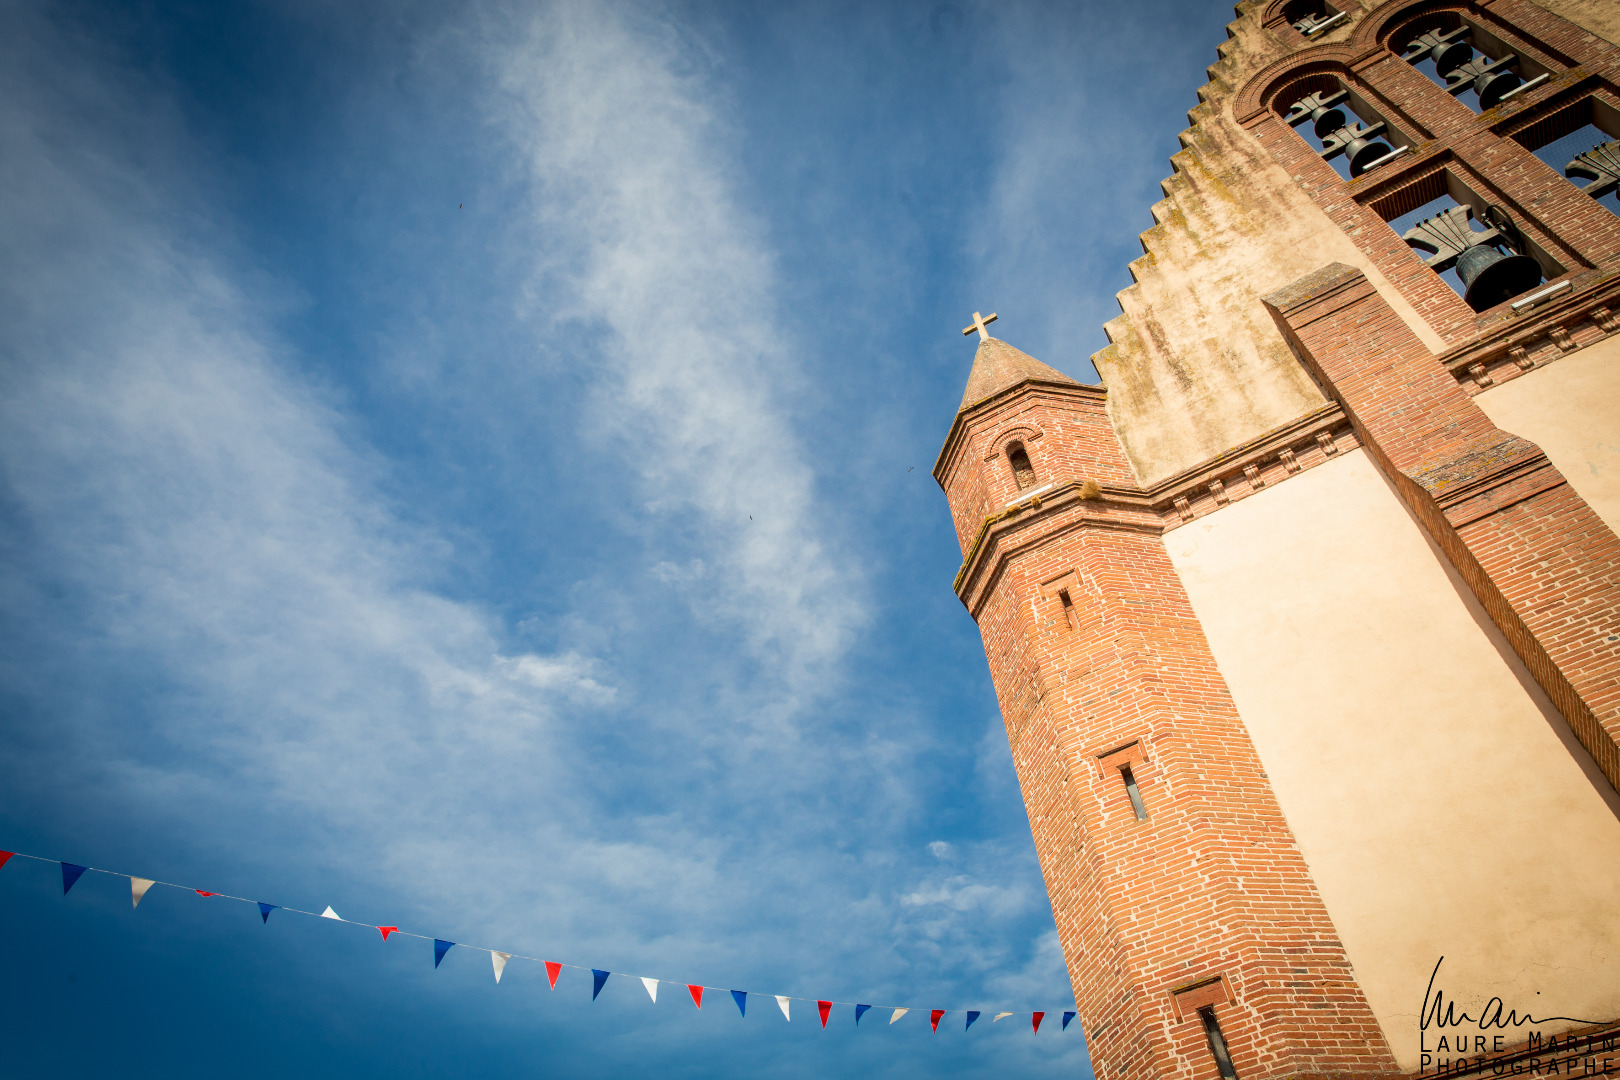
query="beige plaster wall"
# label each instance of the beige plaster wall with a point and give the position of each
(1196, 365)
(1442, 804)
(1571, 409)
(1602, 17)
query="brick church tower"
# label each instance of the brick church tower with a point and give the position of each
(1305, 625)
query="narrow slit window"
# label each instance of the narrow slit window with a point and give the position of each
(1217, 1043)
(1023, 471)
(1134, 792)
(1068, 609)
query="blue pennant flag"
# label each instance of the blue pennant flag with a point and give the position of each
(973, 1014)
(1066, 1018)
(440, 947)
(265, 910)
(70, 873)
(601, 977)
(741, 998)
(858, 1010)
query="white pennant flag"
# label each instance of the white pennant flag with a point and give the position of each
(499, 959)
(330, 914)
(783, 1002)
(898, 1013)
(652, 989)
(998, 1016)
(137, 890)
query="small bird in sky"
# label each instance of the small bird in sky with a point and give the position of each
(913, 467)
(461, 206)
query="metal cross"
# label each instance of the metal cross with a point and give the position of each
(979, 323)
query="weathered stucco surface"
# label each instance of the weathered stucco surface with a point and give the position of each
(1602, 17)
(1440, 800)
(1571, 409)
(1196, 366)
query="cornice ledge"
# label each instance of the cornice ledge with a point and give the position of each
(1267, 459)
(1563, 325)
(1115, 508)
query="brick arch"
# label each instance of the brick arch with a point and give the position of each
(1403, 19)
(1272, 11)
(1019, 431)
(1276, 11)
(1260, 93)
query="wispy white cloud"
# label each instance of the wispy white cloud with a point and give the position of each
(211, 545)
(645, 249)
(205, 509)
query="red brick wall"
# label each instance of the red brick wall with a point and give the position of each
(1212, 883)
(1445, 134)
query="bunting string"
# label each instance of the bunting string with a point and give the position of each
(139, 887)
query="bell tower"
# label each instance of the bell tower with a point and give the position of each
(1194, 935)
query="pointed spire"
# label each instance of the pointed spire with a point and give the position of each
(998, 366)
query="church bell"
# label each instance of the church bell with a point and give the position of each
(1362, 153)
(1493, 86)
(1448, 56)
(1327, 121)
(1490, 277)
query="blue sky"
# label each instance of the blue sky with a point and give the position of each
(468, 464)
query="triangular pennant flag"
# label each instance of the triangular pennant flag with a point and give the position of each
(933, 1018)
(386, 930)
(552, 971)
(782, 1002)
(601, 977)
(859, 1009)
(265, 910)
(697, 994)
(440, 947)
(652, 988)
(330, 914)
(499, 959)
(824, 1007)
(999, 1016)
(898, 1013)
(137, 890)
(973, 1014)
(741, 998)
(71, 872)
(1038, 1018)
(1066, 1018)
(5, 857)
(199, 892)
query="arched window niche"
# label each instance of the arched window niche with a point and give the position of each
(1337, 121)
(1018, 460)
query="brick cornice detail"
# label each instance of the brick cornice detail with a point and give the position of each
(1217, 482)
(1554, 329)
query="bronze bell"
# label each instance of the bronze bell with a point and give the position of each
(1493, 86)
(1448, 56)
(1490, 277)
(1362, 153)
(1325, 120)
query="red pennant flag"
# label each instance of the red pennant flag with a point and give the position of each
(697, 994)
(5, 857)
(825, 1007)
(552, 971)
(1038, 1018)
(386, 930)
(199, 892)
(933, 1018)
